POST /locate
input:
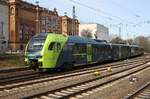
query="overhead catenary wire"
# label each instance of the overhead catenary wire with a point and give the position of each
(99, 14)
(102, 12)
(126, 8)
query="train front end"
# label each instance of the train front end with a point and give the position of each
(33, 51)
(43, 50)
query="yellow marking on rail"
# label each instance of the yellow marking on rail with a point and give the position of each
(109, 69)
(96, 72)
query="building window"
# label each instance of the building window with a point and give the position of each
(54, 22)
(32, 31)
(43, 30)
(49, 23)
(12, 11)
(64, 23)
(43, 21)
(21, 47)
(21, 33)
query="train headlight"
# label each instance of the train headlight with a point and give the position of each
(38, 56)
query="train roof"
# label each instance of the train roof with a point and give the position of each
(77, 39)
(84, 40)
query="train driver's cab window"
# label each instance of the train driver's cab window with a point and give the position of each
(58, 46)
(54, 46)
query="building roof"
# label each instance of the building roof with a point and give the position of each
(92, 24)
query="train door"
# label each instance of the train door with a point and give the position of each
(89, 53)
(52, 50)
(52, 55)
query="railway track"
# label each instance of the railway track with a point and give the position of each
(36, 78)
(87, 87)
(27, 75)
(142, 93)
(13, 69)
(21, 77)
(50, 86)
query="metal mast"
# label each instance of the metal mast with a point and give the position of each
(73, 20)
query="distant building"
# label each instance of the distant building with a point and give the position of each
(97, 30)
(149, 38)
(68, 27)
(4, 24)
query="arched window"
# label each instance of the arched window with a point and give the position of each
(12, 11)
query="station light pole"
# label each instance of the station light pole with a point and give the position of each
(127, 34)
(37, 16)
(73, 20)
(120, 26)
(120, 29)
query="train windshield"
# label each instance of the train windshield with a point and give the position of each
(36, 43)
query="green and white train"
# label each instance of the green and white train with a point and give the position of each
(50, 51)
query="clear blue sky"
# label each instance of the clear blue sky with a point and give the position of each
(132, 15)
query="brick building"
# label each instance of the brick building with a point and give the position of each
(50, 21)
(68, 27)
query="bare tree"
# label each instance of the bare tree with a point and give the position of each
(143, 42)
(117, 40)
(130, 41)
(86, 33)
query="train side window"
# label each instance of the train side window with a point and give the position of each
(105, 50)
(102, 50)
(58, 46)
(52, 46)
(83, 48)
(75, 49)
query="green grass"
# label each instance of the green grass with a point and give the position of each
(11, 60)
